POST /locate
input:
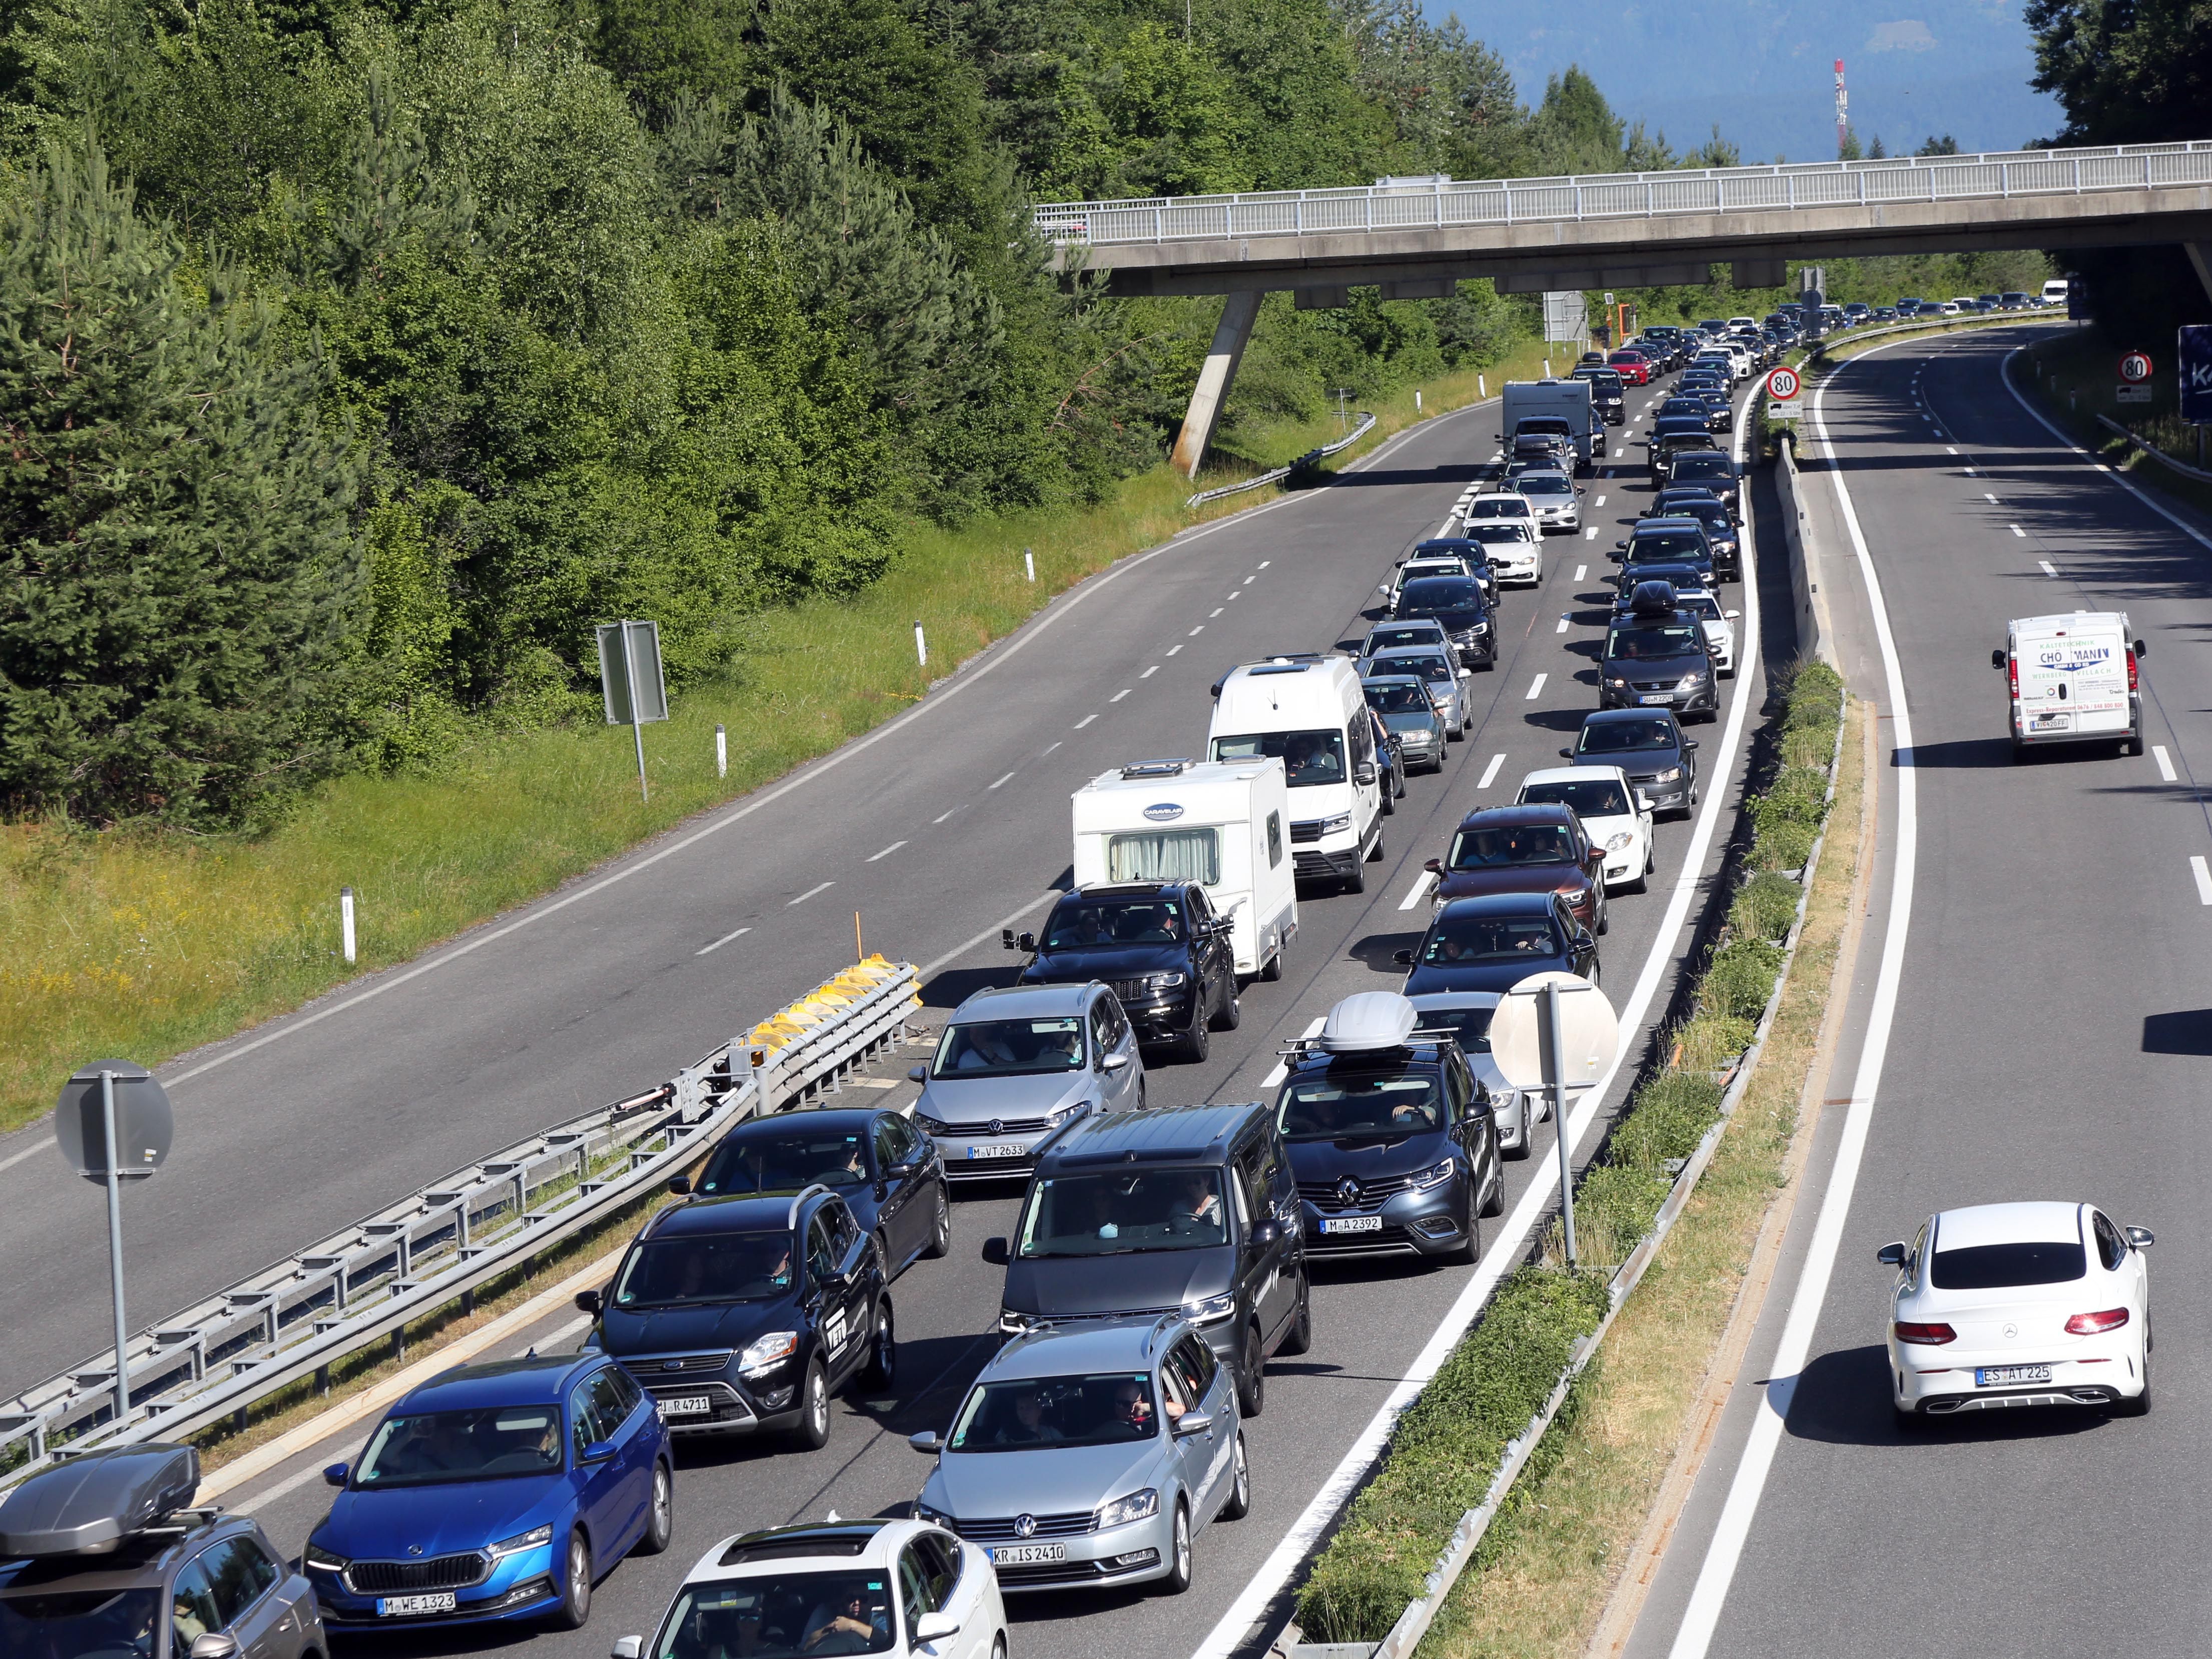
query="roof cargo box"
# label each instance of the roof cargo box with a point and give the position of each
(89, 1505)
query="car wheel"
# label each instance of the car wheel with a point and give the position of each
(1527, 1126)
(1239, 1502)
(1374, 854)
(1356, 880)
(883, 1256)
(576, 1590)
(1252, 1377)
(1271, 970)
(660, 1513)
(813, 1430)
(1231, 1014)
(1299, 1338)
(940, 1230)
(1493, 1195)
(1389, 796)
(1604, 911)
(1178, 1578)
(1196, 1044)
(2140, 1405)
(882, 1369)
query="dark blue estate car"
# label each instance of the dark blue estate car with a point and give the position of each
(1494, 942)
(494, 1492)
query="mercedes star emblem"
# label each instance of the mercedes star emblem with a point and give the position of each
(2011, 1331)
(1025, 1526)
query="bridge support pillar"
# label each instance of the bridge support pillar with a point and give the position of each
(1231, 336)
(2199, 255)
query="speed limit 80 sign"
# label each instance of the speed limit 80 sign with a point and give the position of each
(1782, 385)
(2136, 367)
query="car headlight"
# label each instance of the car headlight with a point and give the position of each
(1330, 826)
(1137, 1506)
(1163, 982)
(930, 1126)
(322, 1560)
(1211, 1310)
(769, 1352)
(1066, 1112)
(1435, 1174)
(1621, 841)
(1618, 684)
(1015, 1324)
(1690, 681)
(936, 1517)
(1672, 775)
(536, 1538)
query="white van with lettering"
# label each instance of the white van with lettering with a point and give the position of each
(2072, 679)
(1309, 711)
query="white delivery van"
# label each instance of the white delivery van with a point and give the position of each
(1309, 711)
(2072, 679)
(1225, 825)
(1544, 401)
(2054, 291)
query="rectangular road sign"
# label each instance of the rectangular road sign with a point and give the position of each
(630, 655)
(2193, 355)
(2131, 394)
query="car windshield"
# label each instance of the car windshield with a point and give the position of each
(1468, 1027)
(1434, 564)
(1457, 940)
(710, 1267)
(1401, 698)
(1010, 1048)
(1389, 639)
(1698, 605)
(2001, 1267)
(1440, 593)
(784, 1616)
(1646, 642)
(1678, 407)
(1331, 1108)
(1654, 545)
(1113, 1409)
(95, 1623)
(1598, 797)
(1307, 758)
(1503, 846)
(1507, 506)
(1546, 483)
(432, 1448)
(1700, 466)
(1429, 666)
(1123, 1212)
(1080, 927)
(1621, 737)
(1500, 530)
(784, 1161)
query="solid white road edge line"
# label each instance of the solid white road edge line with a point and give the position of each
(1702, 1617)
(1512, 1236)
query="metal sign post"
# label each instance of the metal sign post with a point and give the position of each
(631, 682)
(1556, 1032)
(1555, 1078)
(112, 1124)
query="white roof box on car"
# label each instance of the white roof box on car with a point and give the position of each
(1370, 1019)
(89, 1505)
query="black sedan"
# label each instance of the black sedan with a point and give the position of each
(1649, 746)
(1493, 943)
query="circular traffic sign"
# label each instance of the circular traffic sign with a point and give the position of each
(143, 1123)
(1590, 1031)
(2135, 367)
(1781, 384)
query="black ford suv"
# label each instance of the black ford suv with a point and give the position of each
(1160, 946)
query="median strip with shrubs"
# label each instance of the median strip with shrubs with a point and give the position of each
(1446, 1451)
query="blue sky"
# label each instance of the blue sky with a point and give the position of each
(1764, 69)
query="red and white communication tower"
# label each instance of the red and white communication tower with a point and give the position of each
(1843, 110)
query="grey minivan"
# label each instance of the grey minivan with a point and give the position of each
(1187, 1209)
(1014, 1066)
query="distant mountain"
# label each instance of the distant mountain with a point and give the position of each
(1765, 69)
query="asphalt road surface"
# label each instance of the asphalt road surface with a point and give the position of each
(2049, 1040)
(940, 828)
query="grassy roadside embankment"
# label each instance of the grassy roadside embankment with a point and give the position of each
(147, 943)
(2073, 378)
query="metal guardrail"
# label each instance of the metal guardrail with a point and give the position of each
(365, 1283)
(1366, 425)
(2153, 452)
(1443, 203)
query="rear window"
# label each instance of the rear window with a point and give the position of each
(2000, 1267)
(1440, 593)
(1668, 545)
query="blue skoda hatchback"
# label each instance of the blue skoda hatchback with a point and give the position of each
(494, 1492)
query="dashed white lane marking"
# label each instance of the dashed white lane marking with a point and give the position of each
(1196, 631)
(739, 933)
(1580, 571)
(1600, 501)
(1987, 496)
(1008, 778)
(1562, 627)
(941, 817)
(1590, 535)
(1970, 471)
(1173, 649)
(821, 886)
(1118, 695)
(1263, 564)
(1618, 453)
(2018, 532)
(1233, 598)
(1216, 612)
(1420, 889)
(1947, 450)
(2204, 878)
(1248, 580)
(886, 853)
(1282, 1069)
(1535, 688)
(1149, 672)
(2047, 567)
(1087, 719)
(1047, 750)
(2164, 763)
(1490, 771)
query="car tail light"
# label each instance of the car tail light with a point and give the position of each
(2095, 1324)
(2012, 675)
(2131, 670)
(1929, 1335)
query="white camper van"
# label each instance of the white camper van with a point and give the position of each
(1309, 711)
(2072, 679)
(1224, 825)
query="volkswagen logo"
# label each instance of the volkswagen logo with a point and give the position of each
(2011, 1331)
(1025, 1526)
(414, 1549)
(1347, 1191)
(998, 1125)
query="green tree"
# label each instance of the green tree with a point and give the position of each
(2125, 71)
(176, 554)
(1947, 145)
(1574, 130)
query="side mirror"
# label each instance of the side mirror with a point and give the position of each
(1689, 745)
(1363, 776)
(1891, 1256)
(1265, 1233)
(1998, 658)
(1192, 1423)
(680, 1185)
(1731, 615)
(935, 1628)
(1113, 1062)
(929, 1443)
(1566, 754)
(587, 1302)
(1643, 802)
(2141, 651)
(1403, 958)
(1025, 941)
(628, 1647)
(214, 1644)
(599, 1451)
(1434, 866)
(1381, 588)
(1467, 673)
(917, 1073)
(335, 1474)
(2141, 1237)
(995, 1252)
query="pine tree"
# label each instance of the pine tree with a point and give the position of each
(177, 566)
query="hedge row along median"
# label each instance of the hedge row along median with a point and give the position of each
(1446, 1450)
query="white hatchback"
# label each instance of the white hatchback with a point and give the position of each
(1514, 562)
(1719, 626)
(1615, 815)
(905, 1589)
(2001, 1305)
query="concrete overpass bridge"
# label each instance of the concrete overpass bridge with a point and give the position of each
(1415, 239)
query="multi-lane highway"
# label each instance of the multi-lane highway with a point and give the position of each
(2043, 934)
(941, 827)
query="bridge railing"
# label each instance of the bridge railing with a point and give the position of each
(1442, 204)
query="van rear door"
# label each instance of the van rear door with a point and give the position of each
(2072, 681)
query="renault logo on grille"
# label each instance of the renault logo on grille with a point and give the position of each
(1025, 1526)
(1347, 1191)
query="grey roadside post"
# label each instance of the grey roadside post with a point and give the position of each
(1555, 1084)
(345, 922)
(721, 751)
(1029, 562)
(136, 1114)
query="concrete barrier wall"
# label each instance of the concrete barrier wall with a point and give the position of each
(1809, 604)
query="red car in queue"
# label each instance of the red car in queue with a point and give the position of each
(1540, 847)
(1632, 366)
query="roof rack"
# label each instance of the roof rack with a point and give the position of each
(805, 1193)
(1157, 768)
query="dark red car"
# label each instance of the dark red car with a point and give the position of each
(1632, 366)
(1541, 847)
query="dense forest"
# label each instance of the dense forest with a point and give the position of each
(360, 355)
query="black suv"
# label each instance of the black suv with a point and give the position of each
(1608, 392)
(1158, 943)
(1188, 1209)
(1391, 1137)
(1713, 467)
(742, 1313)
(1657, 655)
